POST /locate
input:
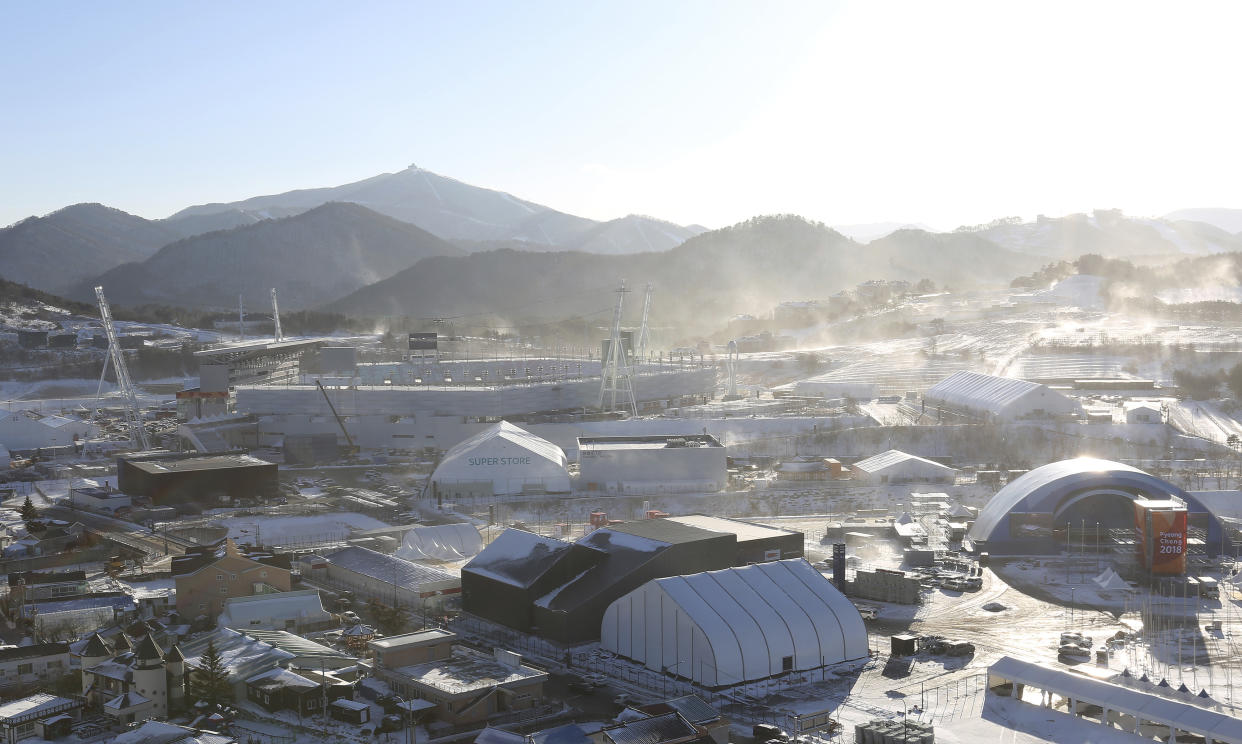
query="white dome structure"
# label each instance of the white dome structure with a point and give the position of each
(722, 628)
(502, 460)
(441, 542)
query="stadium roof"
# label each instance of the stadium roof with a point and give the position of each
(1050, 488)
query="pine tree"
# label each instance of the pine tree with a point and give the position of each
(210, 681)
(29, 512)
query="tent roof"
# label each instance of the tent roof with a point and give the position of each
(980, 392)
(892, 458)
(441, 542)
(1136, 702)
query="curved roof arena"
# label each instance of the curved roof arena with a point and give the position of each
(1054, 487)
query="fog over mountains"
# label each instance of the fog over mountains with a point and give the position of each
(417, 243)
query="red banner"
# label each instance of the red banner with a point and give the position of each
(1168, 542)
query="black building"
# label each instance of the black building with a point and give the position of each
(206, 480)
(560, 590)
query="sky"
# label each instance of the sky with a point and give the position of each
(695, 111)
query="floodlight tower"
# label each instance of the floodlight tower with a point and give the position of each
(615, 372)
(133, 414)
(643, 335)
(276, 317)
(241, 317)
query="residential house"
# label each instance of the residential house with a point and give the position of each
(207, 578)
(133, 685)
(42, 715)
(40, 664)
(299, 611)
(304, 691)
(459, 686)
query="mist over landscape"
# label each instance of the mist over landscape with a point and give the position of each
(620, 373)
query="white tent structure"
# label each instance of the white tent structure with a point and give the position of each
(501, 460)
(722, 628)
(999, 398)
(895, 466)
(441, 542)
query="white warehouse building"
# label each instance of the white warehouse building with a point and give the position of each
(502, 460)
(650, 465)
(895, 466)
(28, 430)
(999, 398)
(722, 628)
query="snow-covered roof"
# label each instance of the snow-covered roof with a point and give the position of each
(517, 557)
(32, 707)
(979, 393)
(1150, 706)
(387, 568)
(893, 458)
(243, 656)
(125, 701)
(282, 678)
(273, 610)
(750, 617)
(508, 456)
(1141, 405)
(441, 542)
(467, 671)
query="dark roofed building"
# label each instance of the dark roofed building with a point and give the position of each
(173, 479)
(560, 590)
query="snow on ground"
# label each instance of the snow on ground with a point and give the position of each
(337, 525)
(1205, 419)
(151, 589)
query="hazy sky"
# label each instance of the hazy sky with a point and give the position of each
(709, 112)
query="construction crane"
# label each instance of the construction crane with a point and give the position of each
(353, 448)
(276, 317)
(133, 414)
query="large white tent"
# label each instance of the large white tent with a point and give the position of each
(502, 460)
(721, 628)
(441, 542)
(999, 398)
(895, 466)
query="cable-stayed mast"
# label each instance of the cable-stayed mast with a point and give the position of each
(615, 372)
(133, 414)
(643, 335)
(276, 317)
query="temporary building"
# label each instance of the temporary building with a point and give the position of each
(502, 460)
(721, 628)
(896, 466)
(300, 611)
(441, 542)
(998, 398)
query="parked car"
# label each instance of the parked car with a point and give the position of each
(582, 686)
(624, 698)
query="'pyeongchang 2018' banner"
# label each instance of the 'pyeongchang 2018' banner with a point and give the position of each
(1167, 535)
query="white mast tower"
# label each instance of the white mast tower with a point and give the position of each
(133, 414)
(276, 317)
(615, 372)
(644, 337)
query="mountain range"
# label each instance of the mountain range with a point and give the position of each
(323, 253)
(414, 242)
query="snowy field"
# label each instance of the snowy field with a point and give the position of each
(293, 529)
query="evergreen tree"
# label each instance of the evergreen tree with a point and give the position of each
(210, 681)
(29, 512)
(388, 620)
